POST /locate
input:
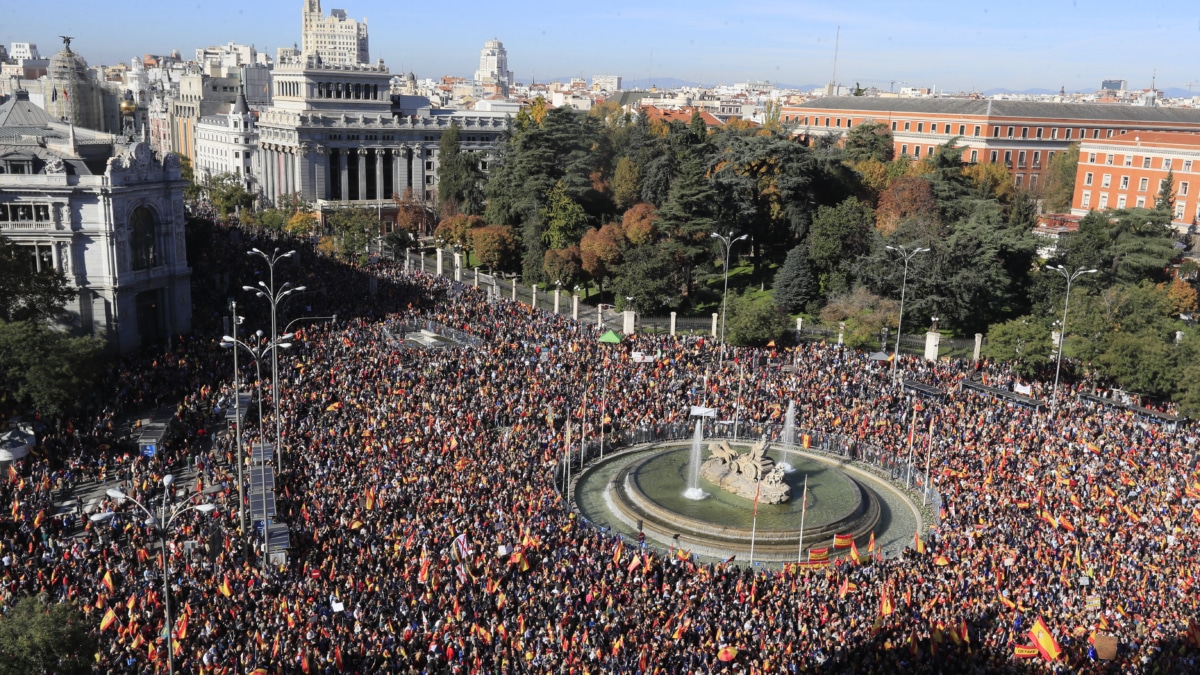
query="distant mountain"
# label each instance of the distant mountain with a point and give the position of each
(660, 82)
(1031, 92)
(1179, 92)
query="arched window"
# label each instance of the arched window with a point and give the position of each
(142, 244)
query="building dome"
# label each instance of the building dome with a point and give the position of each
(73, 95)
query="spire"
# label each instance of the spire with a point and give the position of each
(71, 138)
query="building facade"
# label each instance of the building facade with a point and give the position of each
(493, 67)
(225, 143)
(333, 39)
(108, 213)
(1024, 135)
(1128, 170)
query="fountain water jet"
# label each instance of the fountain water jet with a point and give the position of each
(693, 490)
(789, 434)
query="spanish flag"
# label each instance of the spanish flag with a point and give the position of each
(108, 581)
(1007, 603)
(818, 555)
(110, 617)
(920, 545)
(1024, 651)
(885, 605)
(423, 574)
(1193, 634)
(806, 441)
(225, 588)
(617, 553)
(1044, 640)
(371, 499)
(843, 540)
(871, 544)
(854, 552)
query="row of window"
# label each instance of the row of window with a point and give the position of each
(1109, 159)
(340, 90)
(25, 213)
(993, 157)
(1143, 184)
(1140, 202)
(977, 130)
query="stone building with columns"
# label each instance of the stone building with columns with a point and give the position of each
(336, 136)
(107, 211)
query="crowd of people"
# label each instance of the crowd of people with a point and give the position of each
(429, 532)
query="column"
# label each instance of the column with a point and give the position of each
(439, 262)
(397, 185)
(320, 187)
(672, 324)
(457, 266)
(379, 192)
(533, 299)
(362, 173)
(288, 171)
(978, 345)
(476, 277)
(629, 322)
(344, 171)
(514, 297)
(574, 307)
(405, 164)
(557, 293)
(419, 173)
(714, 324)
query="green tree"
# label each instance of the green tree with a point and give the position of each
(650, 276)
(564, 265)
(795, 287)
(566, 221)
(38, 637)
(755, 321)
(839, 235)
(1023, 343)
(191, 191)
(600, 252)
(1058, 181)
(626, 183)
(864, 313)
(870, 140)
(26, 294)
(228, 194)
(46, 370)
(459, 176)
(1165, 203)
(353, 230)
(1143, 363)
(688, 220)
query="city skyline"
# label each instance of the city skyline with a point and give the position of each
(933, 43)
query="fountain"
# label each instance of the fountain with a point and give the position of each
(693, 490)
(789, 434)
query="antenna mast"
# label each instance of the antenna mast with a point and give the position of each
(836, 43)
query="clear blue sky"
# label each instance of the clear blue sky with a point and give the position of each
(954, 45)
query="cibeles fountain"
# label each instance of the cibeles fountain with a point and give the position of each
(702, 499)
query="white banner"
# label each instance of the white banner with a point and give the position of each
(641, 357)
(1023, 389)
(698, 411)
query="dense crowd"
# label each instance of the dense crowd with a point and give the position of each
(429, 535)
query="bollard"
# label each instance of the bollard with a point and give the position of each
(672, 324)
(714, 324)
(575, 307)
(534, 302)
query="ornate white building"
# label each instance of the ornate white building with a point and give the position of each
(106, 211)
(337, 136)
(493, 66)
(334, 39)
(225, 143)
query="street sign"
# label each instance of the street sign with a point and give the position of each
(149, 450)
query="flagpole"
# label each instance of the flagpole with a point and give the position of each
(928, 452)
(912, 430)
(567, 484)
(803, 512)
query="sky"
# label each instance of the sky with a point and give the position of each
(948, 44)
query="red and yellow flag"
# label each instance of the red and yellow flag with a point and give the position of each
(920, 545)
(225, 589)
(1024, 651)
(110, 617)
(843, 540)
(108, 581)
(1044, 640)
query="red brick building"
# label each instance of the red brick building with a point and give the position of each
(1022, 134)
(1127, 171)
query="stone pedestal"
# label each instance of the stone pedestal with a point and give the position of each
(422, 262)
(629, 319)
(514, 295)
(672, 324)
(476, 277)
(533, 297)
(439, 264)
(933, 340)
(457, 266)
(978, 345)
(714, 324)
(575, 307)
(557, 296)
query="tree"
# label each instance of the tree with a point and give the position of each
(864, 313)
(411, 215)
(302, 224)
(1182, 295)
(755, 321)
(600, 252)
(41, 637)
(459, 176)
(456, 230)
(1058, 181)
(192, 191)
(626, 183)
(1165, 203)
(227, 194)
(906, 197)
(650, 276)
(353, 230)
(1141, 362)
(27, 295)
(991, 180)
(565, 219)
(563, 265)
(495, 246)
(795, 287)
(838, 235)
(1023, 343)
(639, 225)
(870, 140)
(46, 370)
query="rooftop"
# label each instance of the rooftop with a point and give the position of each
(1158, 139)
(1005, 109)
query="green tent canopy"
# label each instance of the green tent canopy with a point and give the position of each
(611, 337)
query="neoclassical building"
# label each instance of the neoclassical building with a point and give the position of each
(107, 211)
(336, 136)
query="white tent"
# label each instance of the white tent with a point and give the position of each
(15, 444)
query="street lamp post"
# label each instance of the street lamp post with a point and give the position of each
(237, 411)
(270, 295)
(907, 255)
(1062, 333)
(161, 523)
(729, 241)
(256, 354)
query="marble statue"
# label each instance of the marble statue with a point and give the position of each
(746, 474)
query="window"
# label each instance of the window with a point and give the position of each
(1020, 178)
(1087, 200)
(1108, 159)
(429, 166)
(1068, 134)
(995, 132)
(1179, 210)
(1095, 133)
(894, 125)
(1124, 182)
(917, 151)
(1091, 158)
(1107, 180)
(1024, 132)
(1087, 178)
(838, 121)
(1183, 189)
(932, 127)
(1008, 158)
(1037, 158)
(976, 129)
(1053, 134)
(1110, 133)
(962, 130)
(1141, 202)
(1145, 162)
(1128, 160)
(906, 126)
(993, 157)
(1143, 184)
(974, 156)
(142, 239)
(1166, 165)
(1104, 200)
(1010, 132)
(1033, 181)
(903, 149)
(1021, 159)
(1121, 202)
